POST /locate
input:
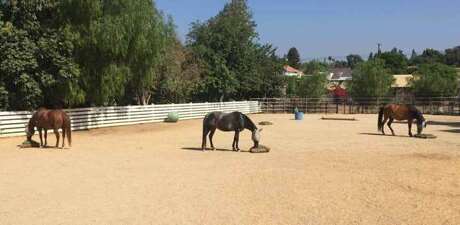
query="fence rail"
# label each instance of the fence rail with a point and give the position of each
(448, 106)
(13, 123)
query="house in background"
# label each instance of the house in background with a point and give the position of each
(292, 72)
(337, 76)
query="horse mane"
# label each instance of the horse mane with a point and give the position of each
(248, 124)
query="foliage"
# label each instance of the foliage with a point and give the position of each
(395, 61)
(231, 60)
(178, 75)
(429, 56)
(371, 79)
(435, 80)
(354, 60)
(293, 58)
(120, 45)
(36, 60)
(292, 86)
(413, 57)
(314, 66)
(312, 86)
(453, 56)
(3, 98)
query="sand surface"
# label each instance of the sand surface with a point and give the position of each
(317, 172)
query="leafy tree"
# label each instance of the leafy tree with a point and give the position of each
(435, 80)
(453, 56)
(293, 58)
(314, 66)
(395, 61)
(371, 56)
(430, 56)
(353, 60)
(120, 44)
(312, 86)
(229, 55)
(413, 57)
(36, 63)
(292, 86)
(178, 75)
(371, 79)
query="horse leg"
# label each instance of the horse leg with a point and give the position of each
(389, 125)
(409, 123)
(56, 132)
(63, 137)
(383, 127)
(203, 142)
(41, 138)
(237, 141)
(211, 135)
(46, 137)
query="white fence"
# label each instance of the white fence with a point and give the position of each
(13, 123)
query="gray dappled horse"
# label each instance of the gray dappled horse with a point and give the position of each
(234, 121)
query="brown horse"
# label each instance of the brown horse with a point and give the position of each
(393, 112)
(45, 119)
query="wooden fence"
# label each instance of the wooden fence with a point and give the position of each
(13, 123)
(448, 106)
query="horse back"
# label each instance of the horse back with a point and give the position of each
(50, 119)
(224, 121)
(399, 111)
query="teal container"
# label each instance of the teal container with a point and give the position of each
(173, 117)
(298, 115)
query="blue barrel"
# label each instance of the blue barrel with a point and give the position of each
(298, 115)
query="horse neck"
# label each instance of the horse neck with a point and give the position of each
(248, 124)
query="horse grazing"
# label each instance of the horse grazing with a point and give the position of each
(45, 119)
(391, 112)
(234, 121)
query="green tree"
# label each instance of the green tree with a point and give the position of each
(312, 86)
(395, 61)
(453, 56)
(120, 45)
(314, 66)
(293, 58)
(430, 56)
(435, 80)
(292, 86)
(371, 79)
(354, 60)
(229, 55)
(36, 56)
(413, 58)
(178, 75)
(371, 56)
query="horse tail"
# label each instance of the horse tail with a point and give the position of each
(380, 119)
(68, 130)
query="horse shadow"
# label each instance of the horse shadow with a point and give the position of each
(209, 150)
(440, 123)
(455, 125)
(386, 135)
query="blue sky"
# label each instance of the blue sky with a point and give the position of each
(321, 28)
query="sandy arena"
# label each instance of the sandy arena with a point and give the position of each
(317, 172)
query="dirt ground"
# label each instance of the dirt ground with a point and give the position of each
(318, 172)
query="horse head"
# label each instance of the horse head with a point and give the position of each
(30, 131)
(256, 136)
(421, 123)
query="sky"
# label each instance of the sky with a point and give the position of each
(322, 28)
